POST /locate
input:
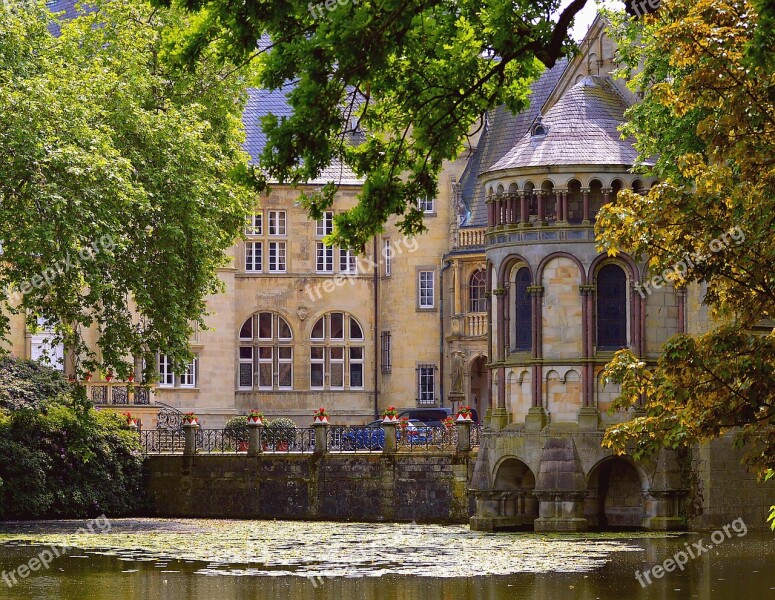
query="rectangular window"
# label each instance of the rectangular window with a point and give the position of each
(337, 326)
(317, 367)
(426, 205)
(387, 254)
(426, 384)
(337, 367)
(277, 222)
(253, 256)
(264, 326)
(325, 226)
(347, 262)
(325, 258)
(386, 361)
(166, 376)
(254, 224)
(277, 257)
(356, 367)
(246, 368)
(265, 368)
(188, 379)
(425, 289)
(285, 367)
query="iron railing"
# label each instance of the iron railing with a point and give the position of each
(120, 394)
(169, 417)
(221, 440)
(426, 438)
(288, 440)
(162, 441)
(356, 439)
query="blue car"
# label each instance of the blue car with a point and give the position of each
(372, 436)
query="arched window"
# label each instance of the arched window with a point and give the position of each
(337, 353)
(523, 318)
(265, 353)
(476, 289)
(611, 308)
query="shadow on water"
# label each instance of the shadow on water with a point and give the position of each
(236, 560)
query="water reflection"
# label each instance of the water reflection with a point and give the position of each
(235, 560)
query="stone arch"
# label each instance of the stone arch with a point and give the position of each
(478, 390)
(513, 187)
(539, 277)
(508, 263)
(513, 494)
(499, 189)
(575, 201)
(623, 259)
(616, 493)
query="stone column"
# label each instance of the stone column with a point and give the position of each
(321, 438)
(524, 217)
(588, 416)
(541, 207)
(490, 212)
(189, 431)
(558, 205)
(500, 417)
(390, 438)
(536, 418)
(499, 209)
(457, 286)
(585, 206)
(564, 206)
(463, 436)
(255, 433)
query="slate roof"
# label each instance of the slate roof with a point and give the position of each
(502, 132)
(581, 129)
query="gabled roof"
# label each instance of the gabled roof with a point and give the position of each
(582, 128)
(502, 131)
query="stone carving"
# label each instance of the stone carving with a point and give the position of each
(458, 361)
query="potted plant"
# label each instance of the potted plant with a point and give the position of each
(321, 416)
(464, 413)
(390, 415)
(255, 417)
(238, 428)
(131, 377)
(280, 433)
(130, 420)
(109, 376)
(87, 377)
(190, 418)
(449, 422)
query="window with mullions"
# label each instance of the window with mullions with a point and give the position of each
(168, 378)
(385, 363)
(426, 384)
(476, 289)
(611, 296)
(337, 353)
(265, 353)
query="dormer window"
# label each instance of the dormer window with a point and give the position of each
(539, 128)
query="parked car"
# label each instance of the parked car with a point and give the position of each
(372, 436)
(432, 417)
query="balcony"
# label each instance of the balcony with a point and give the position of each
(471, 238)
(476, 324)
(119, 393)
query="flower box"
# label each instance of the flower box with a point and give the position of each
(255, 420)
(319, 419)
(190, 419)
(390, 419)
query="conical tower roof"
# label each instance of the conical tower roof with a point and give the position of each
(580, 129)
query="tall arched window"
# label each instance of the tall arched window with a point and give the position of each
(523, 338)
(337, 353)
(265, 353)
(476, 288)
(611, 308)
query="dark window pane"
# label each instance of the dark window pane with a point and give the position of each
(247, 329)
(356, 375)
(265, 374)
(265, 352)
(356, 332)
(319, 330)
(285, 352)
(316, 375)
(246, 375)
(285, 372)
(611, 308)
(284, 330)
(337, 326)
(265, 326)
(246, 352)
(524, 310)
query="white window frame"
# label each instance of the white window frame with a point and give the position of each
(325, 225)
(255, 223)
(189, 378)
(426, 286)
(247, 361)
(336, 362)
(324, 258)
(426, 373)
(265, 361)
(347, 261)
(284, 361)
(277, 263)
(427, 205)
(317, 361)
(166, 375)
(387, 254)
(254, 261)
(356, 361)
(278, 223)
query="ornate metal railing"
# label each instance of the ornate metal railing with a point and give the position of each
(288, 440)
(356, 439)
(120, 394)
(169, 417)
(427, 438)
(161, 441)
(221, 440)
(474, 435)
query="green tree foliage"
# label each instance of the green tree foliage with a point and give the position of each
(26, 383)
(122, 179)
(409, 79)
(709, 117)
(59, 458)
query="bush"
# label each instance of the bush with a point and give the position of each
(62, 458)
(237, 424)
(281, 430)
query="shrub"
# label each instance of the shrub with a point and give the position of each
(237, 424)
(281, 430)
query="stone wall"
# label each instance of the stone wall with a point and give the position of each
(724, 490)
(427, 487)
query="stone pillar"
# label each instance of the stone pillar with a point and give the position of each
(507, 321)
(564, 206)
(490, 212)
(541, 207)
(560, 488)
(255, 435)
(588, 415)
(499, 209)
(585, 206)
(457, 285)
(189, 431)
(321, 438)
(463, 436)
(391, 444)
(558, 205)
(524, 217)
(536, 418)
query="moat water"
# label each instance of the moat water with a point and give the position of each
(225, 560)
